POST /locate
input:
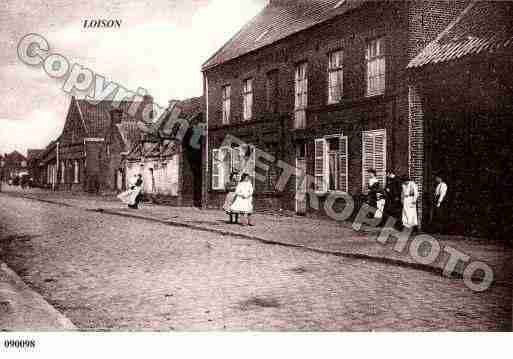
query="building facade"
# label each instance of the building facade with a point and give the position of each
(78, 160)
(323, 87)
(169, 158)
(461, 90)
(14, 165)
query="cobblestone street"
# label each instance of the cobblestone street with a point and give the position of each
(111, 272)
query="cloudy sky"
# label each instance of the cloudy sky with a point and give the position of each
(160, 47)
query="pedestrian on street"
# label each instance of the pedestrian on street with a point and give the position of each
(410, 195)
(439, 219)
(393, 197)
(132, 197)
(373, 188)
(243, 203)
(230, 197)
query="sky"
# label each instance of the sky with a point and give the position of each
(160, 46)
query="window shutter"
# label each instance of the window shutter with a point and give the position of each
(368, 158)
(342, 166)
(216, 169)
(321, 165)
(380, 156)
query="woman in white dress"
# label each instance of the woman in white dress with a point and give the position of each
(410, 195)
(243, 202)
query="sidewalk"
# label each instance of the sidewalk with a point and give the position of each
(319, 235)
(22, 309)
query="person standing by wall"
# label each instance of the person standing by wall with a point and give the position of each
(230, 197)
(439, 220)
(393, 197)
(410, 195)
(243, 202)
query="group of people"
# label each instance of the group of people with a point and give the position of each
(398, 200)
(239, 200)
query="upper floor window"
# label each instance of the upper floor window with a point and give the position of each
(247, 99)
(375, 56)
(301, 95)
(272, 91)
(335, 76)
(227, 93)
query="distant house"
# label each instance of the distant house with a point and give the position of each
(461, 91)
(321, 86)
(171, 168)
(14, 165)
(77, 161)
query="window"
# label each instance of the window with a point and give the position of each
(76, 172)
(375, 56)
(374, 151)
(272, 91)
(301, 95)
(331, 169)
(335, 76)
(227, 92)
(225, 160)
(247, 99)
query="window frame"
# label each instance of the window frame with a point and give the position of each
(300, 94)
(371, 59)
(247, 99)
(326, 164)
(335, 69)
(226, 101)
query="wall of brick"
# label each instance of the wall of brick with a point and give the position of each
(405, 26)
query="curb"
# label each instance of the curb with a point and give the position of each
(434, 270)
(63, 322)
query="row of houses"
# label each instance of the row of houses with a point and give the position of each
(332, 88)
(102, 145)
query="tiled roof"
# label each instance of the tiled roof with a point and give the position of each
(278, 20)
(484, 26)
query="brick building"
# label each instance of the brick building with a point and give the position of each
(76, 161)
(322, 86)
(171, 169)
(462, 100)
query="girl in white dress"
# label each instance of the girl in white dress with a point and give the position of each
(243, 202)
(410, 195)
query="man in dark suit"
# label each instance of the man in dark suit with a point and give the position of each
(393, 197)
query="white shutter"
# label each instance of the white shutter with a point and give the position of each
(216, 169)
(374, 156)
(343, 166)
(367, 158)
(380, 156)
(321, 165)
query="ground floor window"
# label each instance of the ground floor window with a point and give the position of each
(374, 156)
(227, 160)
(331, 164)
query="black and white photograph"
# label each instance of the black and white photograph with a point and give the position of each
(255, 166)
